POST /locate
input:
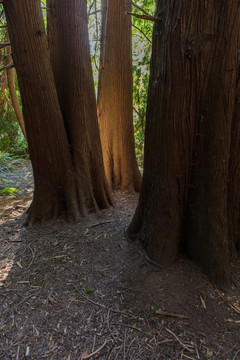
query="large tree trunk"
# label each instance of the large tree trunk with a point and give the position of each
(234, 181)
(70, 56)
(115, 97)
(184, 197)
(57, 187)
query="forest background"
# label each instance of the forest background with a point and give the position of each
(13, 144)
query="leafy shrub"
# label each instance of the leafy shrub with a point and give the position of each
(9, 191)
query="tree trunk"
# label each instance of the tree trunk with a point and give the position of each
(56, 184)
(13, 93)
(71, 63)
(184, 197)
(115, 97)
(234, 180)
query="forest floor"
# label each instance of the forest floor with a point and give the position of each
(82, 290)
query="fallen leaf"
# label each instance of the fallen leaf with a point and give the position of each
(84, 355)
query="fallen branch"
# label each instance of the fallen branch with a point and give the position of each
(101, 223)
(84, 357)
(165, 313)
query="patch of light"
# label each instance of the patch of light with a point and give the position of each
(5, 267)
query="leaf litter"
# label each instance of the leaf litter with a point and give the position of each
(69, 291)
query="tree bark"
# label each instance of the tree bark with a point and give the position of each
(13, 93)
(184, 197)
(234, 181)
(56, 184)
(71, 63)
(115, 105)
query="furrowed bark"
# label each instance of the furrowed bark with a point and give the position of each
(190, 180)
(52, 166)
(115, 98)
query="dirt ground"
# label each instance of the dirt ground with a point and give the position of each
(82, 290)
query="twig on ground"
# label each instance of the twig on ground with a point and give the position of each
(165, 313)
(188, 357)
(4, 252)
(49, 295)
(129, 326)
(95, 352)
(124, 344)
(33, 257)
(196, 348)
(225, 353)
(26, 298)
(235, 356)
(108, 325)
(101, 223)
(101, 305)
(180, 342)
(93, 346)
(129, 346)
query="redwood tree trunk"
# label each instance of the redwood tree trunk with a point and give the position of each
(71, 63)
(184, 197)
(57, 187)
(234, 180)
(115, 97)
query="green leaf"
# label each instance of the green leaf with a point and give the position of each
(88, 291)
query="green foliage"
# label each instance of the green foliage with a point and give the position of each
(44, 11)
(8, 127)
(12, 141)
(20, 148)
(94, 31)
(9, 191)
(88, 291)
(142, 45)
(4, 159)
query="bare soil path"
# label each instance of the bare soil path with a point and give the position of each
(83, 291)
